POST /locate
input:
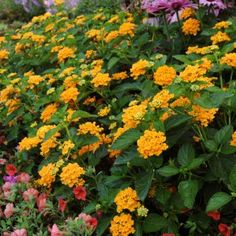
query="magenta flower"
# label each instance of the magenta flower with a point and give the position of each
(170, 8)
(216, 5)
(155, 6)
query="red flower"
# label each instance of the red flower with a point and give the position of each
(92, 223)
(80, 193)
(224, 229)
(215, 215)
(62, 204)
(11, 169)
(168, 234)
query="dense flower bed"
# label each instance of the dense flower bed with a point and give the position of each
(113, 125)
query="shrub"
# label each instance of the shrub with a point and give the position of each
(109, 117)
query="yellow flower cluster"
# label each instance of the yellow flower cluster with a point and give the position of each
(139, 68)
(192, 73)
(69, 94)
(191, 27)
(127, 199)
(104, 111)
(66, 147)
(65, 53)
(222, 25)
(4, 54)
(151, 143)
(133, 115)
(90, 128)
(229, 59)
(220, 37)
(47, 175)
(95, 34)
(111, 35)
(180, 102)
(71, 174)
(186, 13)
(161, 99)
(34, 80)
(47, 145)
(233, 139)
(122, 225)
(48, 111)
(127, 28)
(164, 75)
(42, 131)
(203, 115)
(101, 79)
(202, 50)
(120, 76)
(28, 143)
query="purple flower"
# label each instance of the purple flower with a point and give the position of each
(72, 3)
(155, 6)
(10, 179)
(216, 5)
(28, 4)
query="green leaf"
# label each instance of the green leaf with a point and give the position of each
(217, 201)
(112, 62)
(232, 178)
(182, 58)
(103, 224)
(138, 229)
(195, 163)
(176, 120)
(228, 149)
(163, 196)
(212, 100)
(188, 190)
(51, 132)
(211, 145)
(186, 154)
(82, 114)
(154, 223)
(168, 171)
(143, 183)
(90, 208)
(126, 139)
(224, 135)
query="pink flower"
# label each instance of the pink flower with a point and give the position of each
(80, 193)
(217, 5)
(7, 189)
(30, 193)
(41, 201)
(9, 210)
(55, 231)
(19, 232)
(11, 169)
(23, 178)
(62, 204)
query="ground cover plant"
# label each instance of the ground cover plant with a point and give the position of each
(116, 123)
